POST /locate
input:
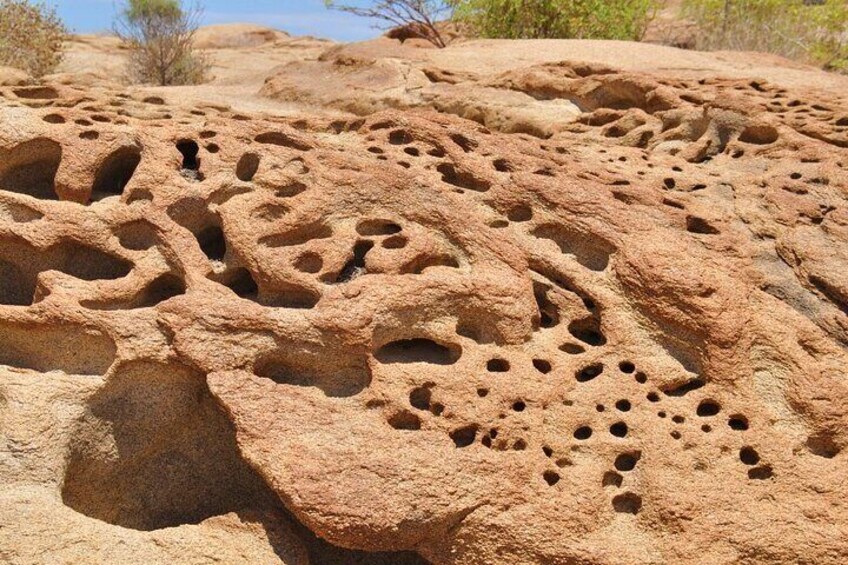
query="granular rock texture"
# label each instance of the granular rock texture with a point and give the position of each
(407, 337)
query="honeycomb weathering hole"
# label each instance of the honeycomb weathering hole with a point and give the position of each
(115, 172)
(247, 167)
(418, 350)
(30, 168)
(306, 369)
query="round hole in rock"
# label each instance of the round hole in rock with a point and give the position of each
(412, 151)
(212, 243)
(420, 398)
(627, 503)
(708, 408)
(497, 365)
(619, 429)
(542, 366)
(520, 214)
(588, 373)
(761, 473)
(749, 456)
(213, 148)
(612, 479)
(396, 242)
(482, 392)
(676, 435)
(738, 423)
(600, 408)
(418, 350)
(405, 420)
(653, 397)
(247, 167)
(572, 348)
(309, 263)
(464, 436)
(623, 405)
(519, 406)
(626, 367)
(661, 414)
(547, 451)
(54, 119)
(641, 378)
(678, 419)
(437, 408)
(400, 137)
(519, 445)
(627, 461)
(706, 428)
(583, 433)
(822, 445)
(551, 477)
(377, 227)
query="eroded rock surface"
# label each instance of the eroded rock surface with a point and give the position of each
(410, 335)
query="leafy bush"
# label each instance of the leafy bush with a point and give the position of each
(159, 35)
(31, 37)
(814, 31)
(580, 19)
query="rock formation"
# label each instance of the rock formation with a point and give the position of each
(404, 336)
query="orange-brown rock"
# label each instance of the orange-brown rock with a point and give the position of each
(408, 337)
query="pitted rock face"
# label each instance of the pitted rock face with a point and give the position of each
(420, 335)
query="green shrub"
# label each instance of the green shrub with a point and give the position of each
(31, 37)
(580, 19)
(159, 35)
(798, 29)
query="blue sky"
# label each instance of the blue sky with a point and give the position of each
(298, 17)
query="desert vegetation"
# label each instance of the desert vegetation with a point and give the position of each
(31, 36)
(159, 35)
(815, 32)
(539, 19)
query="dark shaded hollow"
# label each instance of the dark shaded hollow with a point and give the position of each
(377, 228)
(242, 283)
(464, 436)
(627, 503)
(247, 167)
(588, 330)
(212, 242)
(418, 350)
(587, 249)
(548, 311)
(405, 420)
(87, 263)
(115, 172)
(355, 267)
(589, 373)
(462, 179)
(685, 388)
(189, 150)
(282, 140)
(162, 288)
(16, 287)
(304, 369)
(30, 168)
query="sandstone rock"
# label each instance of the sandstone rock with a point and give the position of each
(406, 336)
(13, 77)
